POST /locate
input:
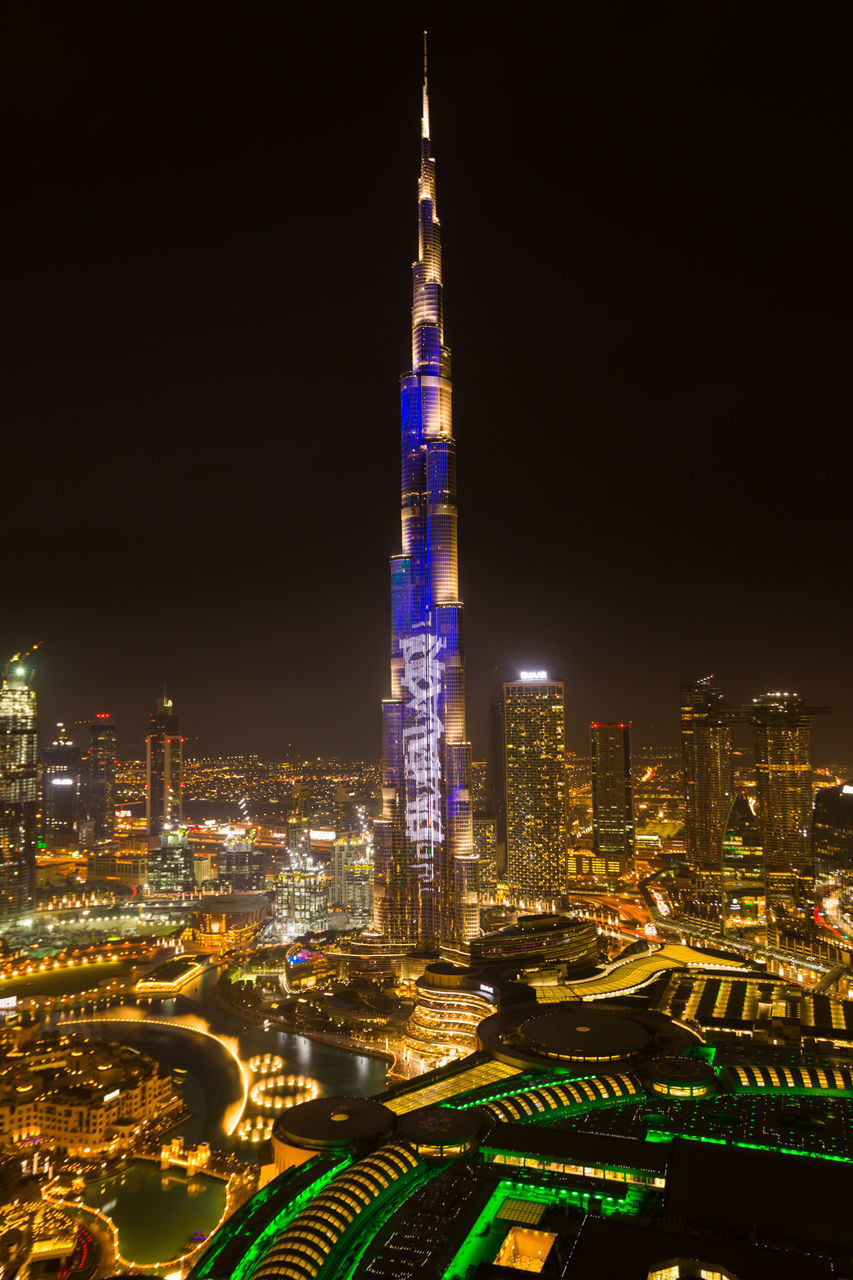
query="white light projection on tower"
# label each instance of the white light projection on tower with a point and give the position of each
(426, 868)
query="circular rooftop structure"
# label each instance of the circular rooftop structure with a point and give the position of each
(440, 1132)
(682, 1077)
(582, 1033)
(326, 1123)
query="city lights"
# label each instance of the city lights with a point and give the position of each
(546, 976)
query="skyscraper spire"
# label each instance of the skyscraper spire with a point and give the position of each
(425, 112)
(425, 865)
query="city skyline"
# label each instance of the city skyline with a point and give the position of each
(271, 1003)
(666, 315)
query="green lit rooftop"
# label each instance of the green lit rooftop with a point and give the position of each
(737, 1142)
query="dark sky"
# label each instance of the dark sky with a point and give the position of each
(210, 220)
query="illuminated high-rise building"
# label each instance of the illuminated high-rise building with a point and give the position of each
(706, 738)
(743, 891)
(242, 865)
(164, 756)
(426, 867)
(535, 771)
(171, 864)
(832, 843)
(301, 897)
(299, 824)
(783, 774)
(19, 789)
(98, 784)
(60, 790)
(351, 884)
(497, 766)
(347, 810)
(486, 844)
(612, 794)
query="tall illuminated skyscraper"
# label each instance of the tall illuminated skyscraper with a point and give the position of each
(783, 775)
(426, 867)
(164, 768)
(19, 791)
(98, 784)
(535, 771)
(743, 891)
(832, 841)
(497, 764)
(706, 738)
(612, 793)
(60, 790)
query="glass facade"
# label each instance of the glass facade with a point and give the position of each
(782, 724)
(612, 794)
(164, 748)
(486, 844)
(832, 844)
(706, 739)
(301, 899)
(783, 774)
(242, 865)
(425, 888)
(19, 790)
(60, 785)
(352, 878)
(535, 771)
(98, 785)
(744, 895)
(171, 866)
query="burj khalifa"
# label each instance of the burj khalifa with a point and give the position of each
(425, 890)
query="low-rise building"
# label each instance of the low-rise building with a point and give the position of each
(85, 1095)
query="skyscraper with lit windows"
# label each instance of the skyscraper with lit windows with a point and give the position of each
(426, 867)
(535, 772)
(612, 794)
(19, 789)
(98, 784)
(782, 723)
(706, 739)
(164, 749)
(743, 892)
(60, 790)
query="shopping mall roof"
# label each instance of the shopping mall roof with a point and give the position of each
(632, 1250)
(778, 1196)
(737, 1165)
(578, 1146)
(332, 1122)
(582, 1033)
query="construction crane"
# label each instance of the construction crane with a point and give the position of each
(14, 666)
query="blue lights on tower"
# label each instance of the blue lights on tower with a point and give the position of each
(426, 869)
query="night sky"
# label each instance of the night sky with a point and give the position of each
(210, 218)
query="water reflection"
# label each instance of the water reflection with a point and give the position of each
(212, 1085)
(155, 1213)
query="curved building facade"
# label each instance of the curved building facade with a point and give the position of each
(535, 941)
(450, 1003)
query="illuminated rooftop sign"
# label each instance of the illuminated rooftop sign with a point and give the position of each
(533, 675)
